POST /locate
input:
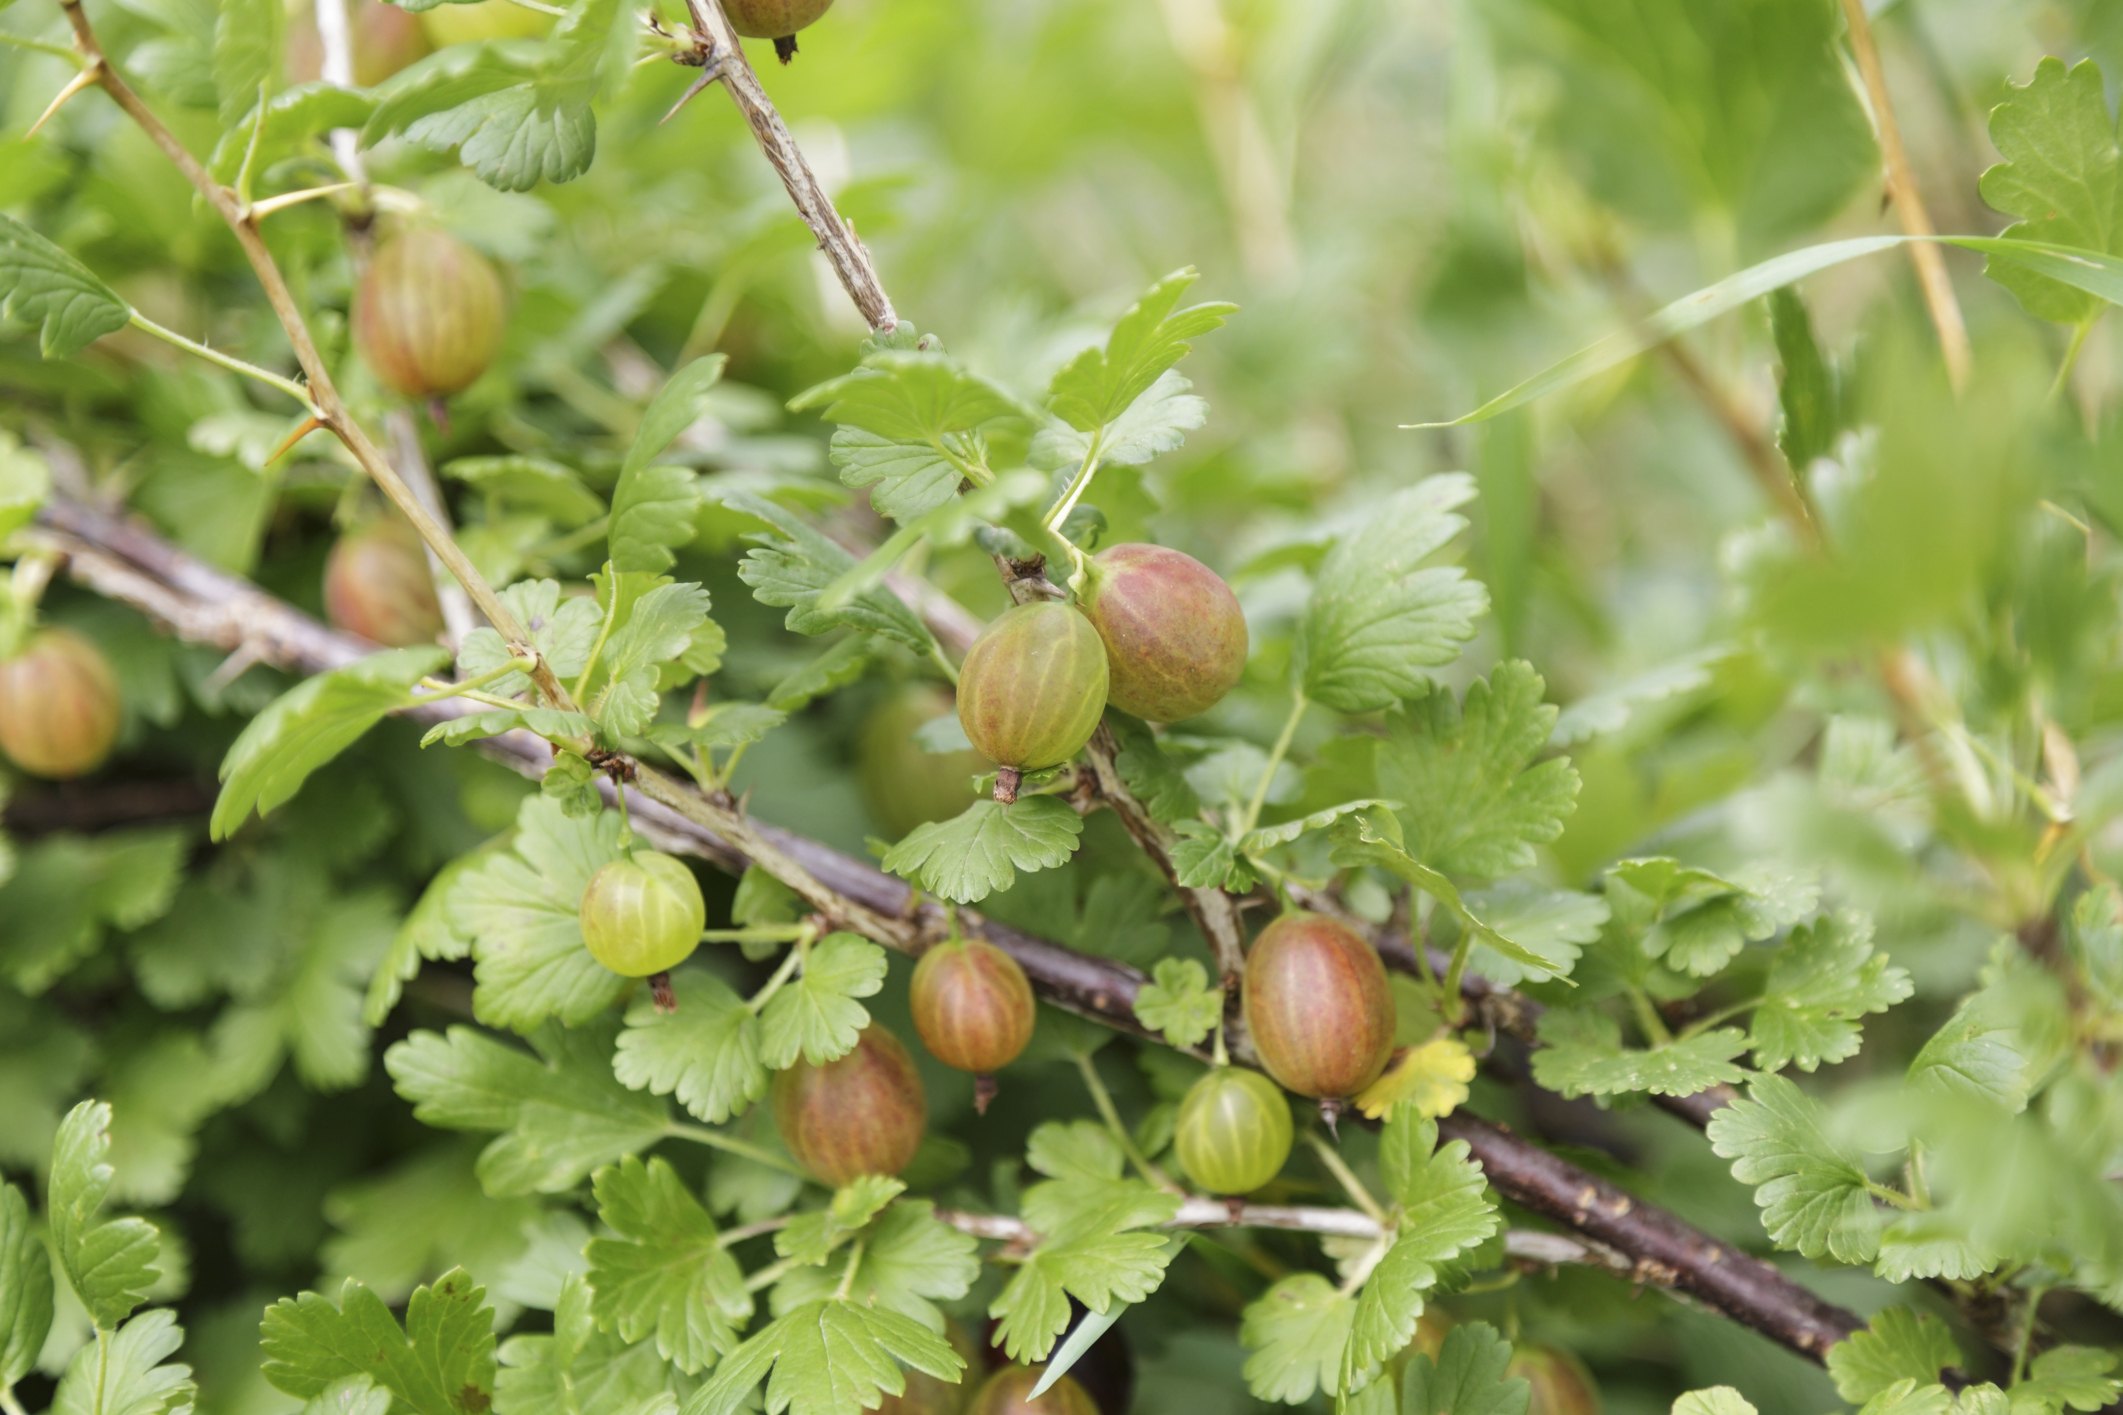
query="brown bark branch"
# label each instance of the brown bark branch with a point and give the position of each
(122, 561)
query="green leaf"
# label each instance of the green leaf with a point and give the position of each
(1374, 838)
(2000, 1044)
(1151, 775)
(827, 1358)
(1824, 978)
(1474, 799)
(578, 1369)
(2067, 1378)
(912, 426)
(43, 285)
(659, 627)
(26, 1290)
(1810, 394)
(350, 1395)
(522, 909)
(1378, 616)
(1813, 1195)
(1898, 1345)
(653, 507)
(1581, 1054)
(440, 1363)
(1444, 1211)
(1554, 925)
(2062, 176)
(817, 1016)
(70, 891)
(1611, 709)
(563, 628)
(1178, 1002)
(1093, 389)
(909, 1263)
(1296, 1333)
(792, 566)
(1269, 837)
(1097, 1243)
(533, 484)
(294, 120)
(1699, 921)
(707, 1053)
(247, 45)
(309, 725)
(1718, 1400)
(665, 1275)
(981, 849)
(124, 1374)
(1155, 423)
(1469, 1377)
(811, 1238)
(110, 1263)
(560, 1113)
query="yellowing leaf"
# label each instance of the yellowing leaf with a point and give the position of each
(1432, 1077)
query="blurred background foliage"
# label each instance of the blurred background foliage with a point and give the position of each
(1415, 204)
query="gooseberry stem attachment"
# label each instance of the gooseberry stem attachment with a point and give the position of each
(1079, 483)
(1103, 1099)
(716, 1140)
(1298, 703)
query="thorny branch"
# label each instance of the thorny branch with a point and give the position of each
(123, 562)
(127, 564)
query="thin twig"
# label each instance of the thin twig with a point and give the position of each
(847, 255)
(1908, 201)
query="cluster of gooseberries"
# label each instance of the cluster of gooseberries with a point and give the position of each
(1158, 635)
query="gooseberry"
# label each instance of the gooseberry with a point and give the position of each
(903, 785)
(642, 914)
(1234, 1132)
(1175, 636)
(1561, 1384)
(1009, 1392)
(863, 1114)
(428, 315)
(377, 584)
(777, 20)
(973, 1008)
(59, 706)
(1318, 1006)
(1032, 689)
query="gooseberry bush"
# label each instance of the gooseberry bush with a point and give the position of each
(598, 820)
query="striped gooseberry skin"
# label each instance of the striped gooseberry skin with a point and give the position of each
(1009, 1392)
(1318, 1006)
(973, 1005)
(1233, 1133)
(429, 314)
(773, 19)
(377, 584)
(863, 1114)
(642, 914)
(1175, 636)
(1033, 686)
(1561, 1384)
(59, 706)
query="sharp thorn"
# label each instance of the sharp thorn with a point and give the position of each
(309, 425)
(708, 75)
(85, 79)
